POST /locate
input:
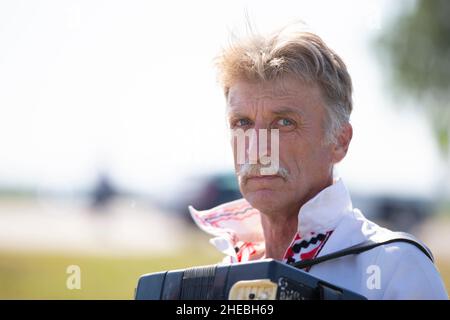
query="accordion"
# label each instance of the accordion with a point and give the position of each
(259, 280)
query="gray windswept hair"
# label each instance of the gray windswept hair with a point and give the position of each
(291, 52)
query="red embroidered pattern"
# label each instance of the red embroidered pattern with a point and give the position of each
(245, 252)
(304, 250)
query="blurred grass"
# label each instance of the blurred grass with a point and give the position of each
(43, 275)
(443, 266)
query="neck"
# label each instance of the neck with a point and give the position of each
(280, 227)
(278, 233)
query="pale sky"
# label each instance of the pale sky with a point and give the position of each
(130, 86)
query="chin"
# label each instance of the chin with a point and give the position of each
(263, 199)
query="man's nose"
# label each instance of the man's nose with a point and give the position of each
(258, 144)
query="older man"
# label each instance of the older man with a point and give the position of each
(293, 84)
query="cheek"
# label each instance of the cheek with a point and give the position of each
(293, 154)
(320, 161)
(303, 157)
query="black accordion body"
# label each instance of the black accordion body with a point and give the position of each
(259, 280)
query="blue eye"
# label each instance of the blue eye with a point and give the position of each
(285, 122)
(242, 122)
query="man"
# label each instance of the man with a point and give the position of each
(291, 83)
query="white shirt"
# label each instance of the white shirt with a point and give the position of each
(328, 223)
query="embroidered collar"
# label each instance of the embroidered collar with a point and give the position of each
(238, 232)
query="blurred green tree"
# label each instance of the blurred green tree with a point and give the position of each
(416, 47)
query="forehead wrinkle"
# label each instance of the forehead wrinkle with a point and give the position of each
(278, 95)
(256, 99)
(261, 105)
(286, 110)
(267, 90)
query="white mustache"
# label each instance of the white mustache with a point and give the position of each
(247, 170)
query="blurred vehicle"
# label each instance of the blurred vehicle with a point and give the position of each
(396, 212)
(206, 192)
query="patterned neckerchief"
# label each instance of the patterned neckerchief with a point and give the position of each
(238, 232)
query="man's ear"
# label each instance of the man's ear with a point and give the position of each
(343, 141)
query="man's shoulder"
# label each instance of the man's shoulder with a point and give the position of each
(398, 252)
(410, 273)
(400, 244)
(404, 270)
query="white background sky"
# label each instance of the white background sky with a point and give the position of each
(130, 86)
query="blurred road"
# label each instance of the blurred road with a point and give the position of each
(124, 227)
